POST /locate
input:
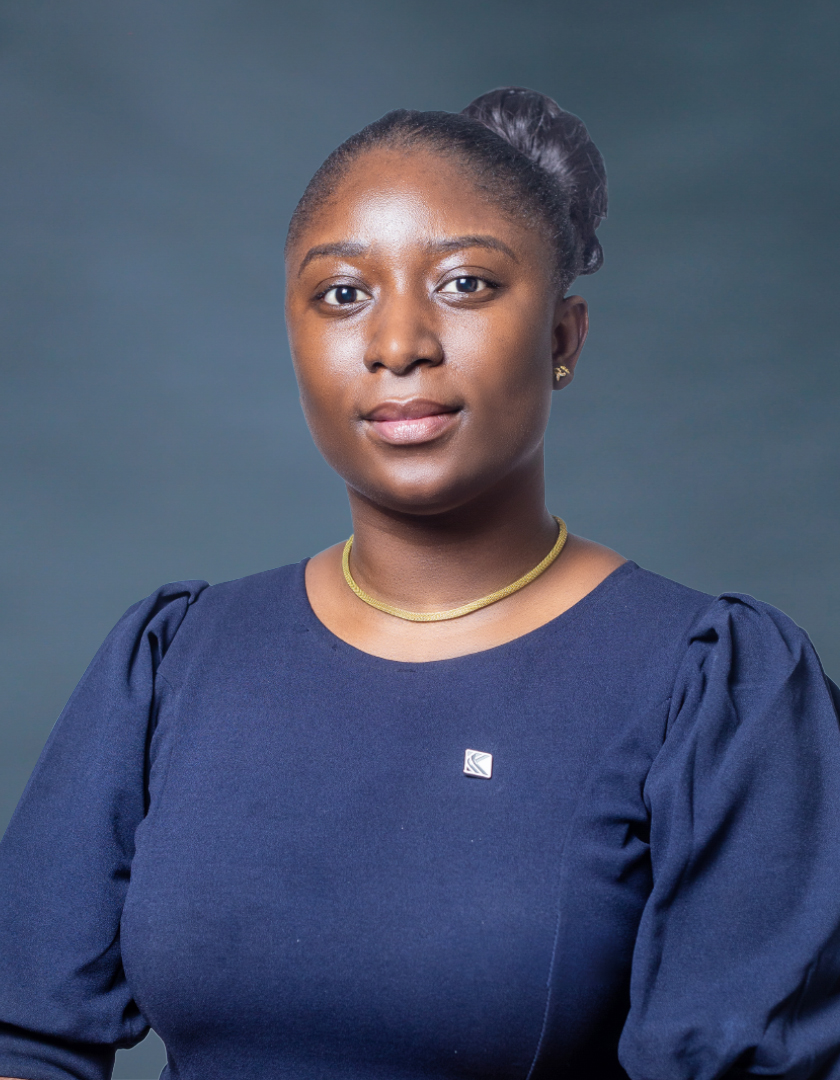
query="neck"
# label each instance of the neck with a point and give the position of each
(431, 562)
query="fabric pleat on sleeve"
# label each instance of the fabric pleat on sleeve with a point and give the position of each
(736, 969)
(65, 1006)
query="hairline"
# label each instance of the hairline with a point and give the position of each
(339, 163)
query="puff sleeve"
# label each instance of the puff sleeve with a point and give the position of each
(65, 861)
(736, 970)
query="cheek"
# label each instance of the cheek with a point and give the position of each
(323, 406)
(516, 330)
(506, 362)
(501, 362)
(325, 365)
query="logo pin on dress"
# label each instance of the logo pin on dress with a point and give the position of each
(477, 763)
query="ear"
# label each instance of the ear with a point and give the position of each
(571, 325)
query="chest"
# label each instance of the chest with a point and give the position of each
(318, 869)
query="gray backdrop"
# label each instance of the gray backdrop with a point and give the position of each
(151, 152)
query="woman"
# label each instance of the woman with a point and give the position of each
(465, 797)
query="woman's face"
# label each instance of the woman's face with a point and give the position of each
(424, 326)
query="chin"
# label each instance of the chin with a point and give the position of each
(422, 503)
(425, 496)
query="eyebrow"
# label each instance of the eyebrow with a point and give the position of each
(346, 248)
(456, 243)
(351, 249)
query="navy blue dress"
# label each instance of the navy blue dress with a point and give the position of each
(262, 842)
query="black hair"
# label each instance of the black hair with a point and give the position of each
(530, 156)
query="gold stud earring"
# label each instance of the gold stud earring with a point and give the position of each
(561, 372)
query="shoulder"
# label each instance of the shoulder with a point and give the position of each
(659, 615)
(147, 627)
(748, 667)
(748, 637)
(232, 617)
(247, 597)
(732, 625)
(627, 611)
(165, 607)
(200, 598)
(191, 609)
(621, 585)
(730, 645)
(750, 705)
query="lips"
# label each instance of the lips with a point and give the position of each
(410, 422)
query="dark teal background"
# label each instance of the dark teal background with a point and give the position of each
(151, 152)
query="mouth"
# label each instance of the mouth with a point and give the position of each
(410, 422)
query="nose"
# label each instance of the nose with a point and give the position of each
(403, 336)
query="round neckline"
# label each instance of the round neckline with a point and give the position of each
(339, 644)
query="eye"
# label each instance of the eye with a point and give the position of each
(342, 295)
(466, 285)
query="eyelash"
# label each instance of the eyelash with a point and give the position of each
(461, 277)
(471, 277)
(332, 288)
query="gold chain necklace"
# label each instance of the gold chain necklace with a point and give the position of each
(465, 609)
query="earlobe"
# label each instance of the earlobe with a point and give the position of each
(570, 328)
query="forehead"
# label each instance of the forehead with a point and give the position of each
(398, 198)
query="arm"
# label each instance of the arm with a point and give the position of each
(737, 964)
(65, 862)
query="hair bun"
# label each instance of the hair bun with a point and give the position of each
(558, 142)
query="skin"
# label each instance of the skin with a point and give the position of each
(409, 287)
(457, 515)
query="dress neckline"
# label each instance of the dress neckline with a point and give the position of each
(494, 652)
